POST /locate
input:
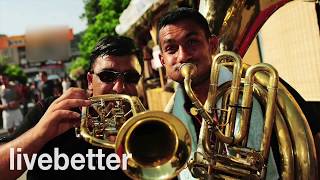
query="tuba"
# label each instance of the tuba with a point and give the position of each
(157, 144)
(227, 156)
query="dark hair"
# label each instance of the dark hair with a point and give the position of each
(184, 13)
(44, 73)
(116, 46)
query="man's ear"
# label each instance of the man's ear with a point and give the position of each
(213, 43)
(161, 58)
(89, 79)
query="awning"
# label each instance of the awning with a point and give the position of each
(130, 16)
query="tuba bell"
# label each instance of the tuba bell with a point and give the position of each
(236, 23)
(157, 144)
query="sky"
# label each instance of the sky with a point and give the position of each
(16, 16)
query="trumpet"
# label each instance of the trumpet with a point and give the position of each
(158, 143)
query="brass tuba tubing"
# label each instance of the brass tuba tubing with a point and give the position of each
(271, 104)
(187, 70)
(305, 159)
(227, 56)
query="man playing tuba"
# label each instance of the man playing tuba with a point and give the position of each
(184, 37)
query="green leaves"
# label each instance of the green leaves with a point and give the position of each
(78, 67)
(102, 18)
(4, 60)
(14, 72)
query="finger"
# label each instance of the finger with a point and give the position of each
(72, 93)
(68, 119)
(76, 93)
(71, 103)
(73, 120)
(63, 114)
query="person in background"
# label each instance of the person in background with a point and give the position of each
(58, 90)
(45, 86)
(66, 84)
(34, 92)
(10, 107)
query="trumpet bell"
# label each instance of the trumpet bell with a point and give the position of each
(159, 143)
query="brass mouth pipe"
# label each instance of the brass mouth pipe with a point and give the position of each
(187, 71)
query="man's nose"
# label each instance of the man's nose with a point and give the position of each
(184, 55)
(119, 86)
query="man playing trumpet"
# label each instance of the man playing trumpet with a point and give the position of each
(115, 67)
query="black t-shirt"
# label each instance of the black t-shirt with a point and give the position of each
(47, 89)
(68, 144)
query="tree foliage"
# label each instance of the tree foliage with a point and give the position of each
(78, 67)
(4, 60)
(102, 17)
(15, 73)
(91, 9)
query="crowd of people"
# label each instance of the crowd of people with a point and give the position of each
(17, 98)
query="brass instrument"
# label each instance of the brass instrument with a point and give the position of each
(159, 143)
(236, 23)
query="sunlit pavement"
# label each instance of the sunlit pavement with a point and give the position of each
(23, 176)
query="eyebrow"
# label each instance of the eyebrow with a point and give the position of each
(193, 33)
(168, 41)
(190, 34)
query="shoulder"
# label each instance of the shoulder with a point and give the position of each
(173, 99)
(49, 82)
(169, 106)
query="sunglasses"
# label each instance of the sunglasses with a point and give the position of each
(130, 77)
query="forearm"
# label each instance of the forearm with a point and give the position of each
(10, 105)
(57, 119)
(30, 142)
(14, 105)
(3, 107)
